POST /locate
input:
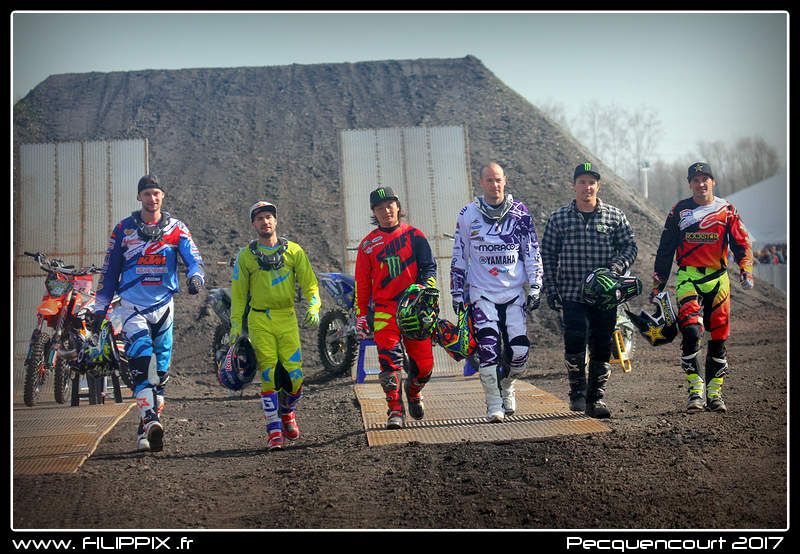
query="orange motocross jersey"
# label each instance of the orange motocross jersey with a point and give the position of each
(388, 262)
(699, 236)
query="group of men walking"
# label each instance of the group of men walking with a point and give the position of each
(499, 272)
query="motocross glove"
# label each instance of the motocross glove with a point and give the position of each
(312, 318)
(194, 284)
(533, 302)
(458, 305)
(658, 285)
(617, 268)
(554, 301)
(362, 328)
(746, 280)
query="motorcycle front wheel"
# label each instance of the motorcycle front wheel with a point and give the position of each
(61, 381)
(337, 348)
(36, 367)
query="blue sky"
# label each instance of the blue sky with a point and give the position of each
(708, 75)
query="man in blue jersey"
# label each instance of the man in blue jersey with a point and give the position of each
(141, 266)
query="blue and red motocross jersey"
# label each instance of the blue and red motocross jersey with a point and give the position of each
(145, 273)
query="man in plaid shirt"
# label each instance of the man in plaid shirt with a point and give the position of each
(580, 237)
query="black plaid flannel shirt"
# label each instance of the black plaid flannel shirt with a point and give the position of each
(571, 247)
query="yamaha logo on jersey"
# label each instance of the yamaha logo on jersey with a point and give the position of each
(497, 260)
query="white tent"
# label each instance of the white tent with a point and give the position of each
(763, 208)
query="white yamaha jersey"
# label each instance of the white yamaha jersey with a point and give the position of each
(495, 258)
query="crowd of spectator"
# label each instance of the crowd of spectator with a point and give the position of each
(771, 254)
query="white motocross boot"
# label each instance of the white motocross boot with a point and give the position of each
(491, 389)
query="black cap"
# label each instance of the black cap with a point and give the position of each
(148, 182)
(585, 169)
(381, 194)
(699, 167)
(262, 206)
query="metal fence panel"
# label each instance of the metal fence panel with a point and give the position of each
(68, 196)
(428, 168)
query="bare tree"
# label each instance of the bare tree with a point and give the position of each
(556, 112)
(614, 136)
(591, 125)
(644, 129)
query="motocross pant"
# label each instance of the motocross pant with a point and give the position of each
(492, 321)
(390, 346)
(704, 304)
(704, 301)
(275, 337)
(501, 362)
(148, 347)
(584, 324)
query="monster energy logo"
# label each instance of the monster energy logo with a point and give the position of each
(587, 166)
(393, 264)
(381, 193)
(605, 282)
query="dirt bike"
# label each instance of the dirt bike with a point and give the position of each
(64, 308)
(336, 338)
(219, 300)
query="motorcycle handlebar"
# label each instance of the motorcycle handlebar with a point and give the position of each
(58, 266)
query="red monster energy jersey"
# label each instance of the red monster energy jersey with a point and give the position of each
(388, 262)
(699, 236)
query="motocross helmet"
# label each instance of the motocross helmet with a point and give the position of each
(418, 312)
(606, 290)
(239, 366)
(457, 340)
(99, 349)
(660, 327)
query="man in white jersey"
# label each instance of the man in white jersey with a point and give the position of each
(496, 255)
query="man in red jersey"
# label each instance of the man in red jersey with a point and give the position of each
(698, 232)
(389, 260)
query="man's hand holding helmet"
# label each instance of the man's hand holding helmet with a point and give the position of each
(234, 333)
(658, 285)
(534, 300)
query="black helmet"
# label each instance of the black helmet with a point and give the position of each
(239, 366)
(607, 290)
(658, 328)
(418, 311)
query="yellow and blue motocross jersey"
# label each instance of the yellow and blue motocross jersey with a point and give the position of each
(271, 289)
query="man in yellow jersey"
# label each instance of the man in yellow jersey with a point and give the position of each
(266, 270)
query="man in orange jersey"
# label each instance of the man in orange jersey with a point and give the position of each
(390, 259)
(698, 232)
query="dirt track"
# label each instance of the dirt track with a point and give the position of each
(659, 468)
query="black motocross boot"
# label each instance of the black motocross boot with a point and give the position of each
(599, 373)
(576, 373)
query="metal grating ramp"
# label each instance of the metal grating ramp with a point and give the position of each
(57, 438)
(455, 412)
